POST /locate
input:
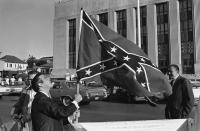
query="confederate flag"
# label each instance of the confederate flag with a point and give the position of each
(109, 57)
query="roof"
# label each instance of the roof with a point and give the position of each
(12, 59)
(46, 58)
(47, 65)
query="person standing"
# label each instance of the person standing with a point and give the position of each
(181, 101)
(21, 110)
(46, 114)
(12, 80)
(7, 80)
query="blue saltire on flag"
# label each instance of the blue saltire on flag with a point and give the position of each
(111, 58)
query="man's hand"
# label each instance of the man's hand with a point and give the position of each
(78, 98)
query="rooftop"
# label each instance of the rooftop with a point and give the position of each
(12, 59)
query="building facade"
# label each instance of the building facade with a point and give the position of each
(170, 30)
(11, 65)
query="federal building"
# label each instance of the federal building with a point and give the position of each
(170, 30)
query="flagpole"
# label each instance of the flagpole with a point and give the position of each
(138, 23)
(78, 82)
(80, 25)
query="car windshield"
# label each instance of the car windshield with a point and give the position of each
(71, 84)
(94, 84)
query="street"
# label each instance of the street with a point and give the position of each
(99, 111)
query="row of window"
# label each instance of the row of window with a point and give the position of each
(162, 10)
(16, 66)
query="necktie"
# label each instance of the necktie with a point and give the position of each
(172, 82)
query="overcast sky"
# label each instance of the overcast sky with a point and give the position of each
(26, 27)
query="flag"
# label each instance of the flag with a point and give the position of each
(109, 57)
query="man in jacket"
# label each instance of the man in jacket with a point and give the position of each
(46, 114)
(21, 110)
(181, 101)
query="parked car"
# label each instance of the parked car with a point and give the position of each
(69, 88)
(15, 89)
(4, 91)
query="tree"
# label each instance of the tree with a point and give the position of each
(31, 61)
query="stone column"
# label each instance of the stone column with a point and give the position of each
(175, 37)
(131, 24)
(152, 33)
(60, 46)
(196, 5)
(112, 20)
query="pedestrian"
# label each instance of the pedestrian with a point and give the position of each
(20, 82)
(181, 101)
(46, 114)
(7, 80)
(12, 80)
(22, 109)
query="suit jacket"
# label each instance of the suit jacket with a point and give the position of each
(22, 102)
(47, 115)
(181, 101)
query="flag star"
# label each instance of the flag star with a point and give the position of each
(88, 72)
(154, 64)
(115, 63)
(113, 49)
(143, 84)
(127, 58)
(139, 70)
(142, 59)
(102, 67)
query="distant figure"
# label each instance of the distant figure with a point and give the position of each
(20, 81)
(7, 80)
(46, 114)
(12, 80)
(181, 101)
(1, 79)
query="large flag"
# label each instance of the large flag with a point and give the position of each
(111, 58)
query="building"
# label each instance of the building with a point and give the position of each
(44, 65)
(11, 65)
(170, 30)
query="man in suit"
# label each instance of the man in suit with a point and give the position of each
(181, 101)
(46, 114)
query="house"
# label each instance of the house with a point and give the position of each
(11, 65)
(44, 65)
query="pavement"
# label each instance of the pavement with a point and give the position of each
(100, 111)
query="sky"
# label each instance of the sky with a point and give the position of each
(26, 27)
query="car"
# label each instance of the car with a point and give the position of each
(4, 90)
(69, 88)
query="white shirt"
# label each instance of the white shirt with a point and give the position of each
(175, 79)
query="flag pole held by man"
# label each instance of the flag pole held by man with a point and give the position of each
(106, 55)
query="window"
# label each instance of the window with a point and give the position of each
(163, 35)
(187, 37)
(103, 18)
(10, 65)
(72, 43)
(143, 27)
(121, 23)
